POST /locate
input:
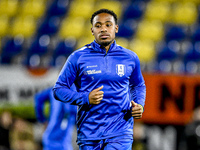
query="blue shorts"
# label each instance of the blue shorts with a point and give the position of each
(115, 143)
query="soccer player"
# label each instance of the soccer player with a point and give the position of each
(111, 90)
(60, 124)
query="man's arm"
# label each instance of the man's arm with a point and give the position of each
(137, 90)
(40, 99)
(64, 89)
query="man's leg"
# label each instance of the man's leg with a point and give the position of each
(119, 143)
(92, 145)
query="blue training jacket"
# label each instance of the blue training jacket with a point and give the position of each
(119, 72)
(61, 121)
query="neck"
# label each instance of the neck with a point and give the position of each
(107, 47)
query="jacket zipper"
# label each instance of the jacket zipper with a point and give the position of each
(106, 61)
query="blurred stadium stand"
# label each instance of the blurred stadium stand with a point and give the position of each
(164, 33)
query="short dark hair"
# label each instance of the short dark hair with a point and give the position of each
(103, 11)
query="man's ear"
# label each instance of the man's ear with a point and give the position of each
(92, 31)
(116, 28)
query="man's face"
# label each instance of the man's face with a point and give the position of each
(104, 29)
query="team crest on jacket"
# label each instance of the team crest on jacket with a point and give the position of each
(120, 69)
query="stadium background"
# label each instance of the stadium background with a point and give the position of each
(36, 37)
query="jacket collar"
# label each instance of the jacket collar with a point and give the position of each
(95, 46)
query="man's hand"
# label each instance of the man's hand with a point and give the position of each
(137, 110)
(96, 96)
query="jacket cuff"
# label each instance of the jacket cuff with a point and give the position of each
(86, 98)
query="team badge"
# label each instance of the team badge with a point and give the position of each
(120, 69)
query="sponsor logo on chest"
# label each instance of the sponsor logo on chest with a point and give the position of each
(93, 71)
